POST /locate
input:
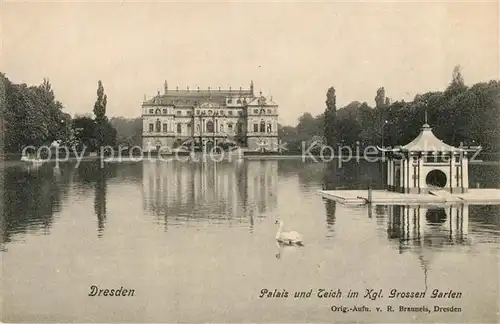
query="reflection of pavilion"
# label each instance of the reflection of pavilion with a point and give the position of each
(428, 225)
(206, 190)
(421, 229)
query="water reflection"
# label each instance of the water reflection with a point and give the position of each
(352, 175)
(431, 226)
(31, 197)
(93, 176)
(330, 207)
(100, 200)
(174, 192)
(283, 247)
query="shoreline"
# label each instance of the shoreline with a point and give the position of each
(135, 159)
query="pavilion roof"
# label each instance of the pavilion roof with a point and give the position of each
(426, 141)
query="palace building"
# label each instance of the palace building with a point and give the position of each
(210, 117)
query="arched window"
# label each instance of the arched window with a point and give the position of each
(158, 126)
(165, 128)
(262, 127)
(230, 127)
(179, 128)
(269, 128)
(210, 126)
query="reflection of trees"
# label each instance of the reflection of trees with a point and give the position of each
(192, 191)
(30, 198)
(486, 217)
(91, 173)
(352, 175)
(100, 200)
(330, 206)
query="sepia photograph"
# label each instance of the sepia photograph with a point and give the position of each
(250, 162)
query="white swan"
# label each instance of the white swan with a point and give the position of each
(288, 238)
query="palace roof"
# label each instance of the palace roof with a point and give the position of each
(192, 97)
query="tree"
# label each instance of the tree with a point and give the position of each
(100, 104)
(128, 131)
(330, 123)
(380, 99)
(105, 134)
(84, 131)
(457, 84)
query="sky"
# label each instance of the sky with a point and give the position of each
(293, 51)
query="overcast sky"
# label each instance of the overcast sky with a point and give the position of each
(295, 51)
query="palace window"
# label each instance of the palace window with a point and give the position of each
(256, 128)
(240, 113)
(221, 128)
(158, 126)
(230, 127)
(222, 112)
(209, 112)
(239, 101)
(179, 112)
(179, 128)
(189, 113)
(256, 111)
(151, 127)
(262, 127)
(269, 111)
(210, 126)
(151, 111)
(165, 128)
(269, 128)
(158, 111)
(197, 112)
(240, 128)
(230, 112)
(165, 111)
(230, 100)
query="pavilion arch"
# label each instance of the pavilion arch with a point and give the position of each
(436, 178)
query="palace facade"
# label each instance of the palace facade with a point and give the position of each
(210, 117)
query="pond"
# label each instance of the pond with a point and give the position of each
(195, 242)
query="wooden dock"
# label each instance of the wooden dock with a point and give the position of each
(384, 197)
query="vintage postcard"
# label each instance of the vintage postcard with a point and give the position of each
(250, 162)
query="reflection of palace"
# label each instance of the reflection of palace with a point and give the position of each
(428, 225)
(204, 190)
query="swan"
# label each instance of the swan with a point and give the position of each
(288, 238)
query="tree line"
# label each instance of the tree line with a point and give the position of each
(457, 115)
(31, 116)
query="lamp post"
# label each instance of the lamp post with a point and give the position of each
(383, 127)
(382, 158)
